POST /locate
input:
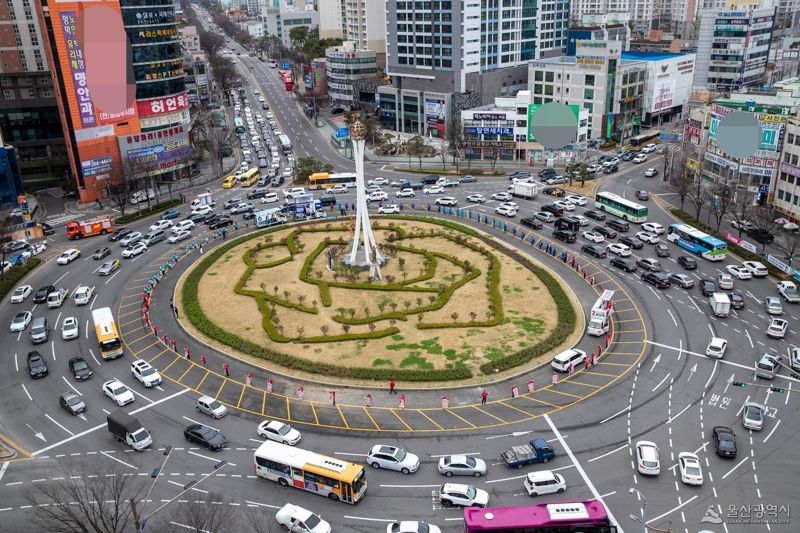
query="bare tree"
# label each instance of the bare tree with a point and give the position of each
(699, 195)
(204, 516)
(260, 520)
(84, 503)
(455, 138)
(495, 156)
(741, 209)
(416, 146)
(788, 242)
(720, 202)
(681, 180)
(763, 220)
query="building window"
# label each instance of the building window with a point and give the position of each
(780, 194)
(537, 89)
(45, 92)
(549, 77)
(538, 75)
(588, 94)
(8, 94)
(589, 80)
(31, 93)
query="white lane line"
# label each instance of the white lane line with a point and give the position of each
(53, 348)
(746, 332)
(673, 318)
(449, 454)
(92, 353)
(181, 485)
(3, 470)
(104, 425)
(585, 477)
(53, 420)
(109, 279)
(713, 371)
(615, 415)
(735, 467)
(16, 363)
(257, 504)
(70, 386)
(28, 394)
(209, 458)
(62, 277)
(607, 453)
(120, 461)
(679, 414)
(343, 453)
(196, 422)
(681, 505)
(140, 394)
(778, 423)
(661, 382)
(369, 519)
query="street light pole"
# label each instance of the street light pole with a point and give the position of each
(643, 519)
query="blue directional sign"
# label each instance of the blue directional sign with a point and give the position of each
(342, 133)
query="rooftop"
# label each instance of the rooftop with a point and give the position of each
(650, 56)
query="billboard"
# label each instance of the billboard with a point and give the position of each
(663, 95)
(156, 152)
(166, 104)
(94, 167)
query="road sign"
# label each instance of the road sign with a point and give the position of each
(342, 133)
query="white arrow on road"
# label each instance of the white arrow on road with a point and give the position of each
(515, 434)
(692, 371)
(655, 362)
(38, 435)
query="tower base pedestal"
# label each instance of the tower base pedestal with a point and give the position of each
(361, 261)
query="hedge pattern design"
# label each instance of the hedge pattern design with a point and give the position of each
(396, 238)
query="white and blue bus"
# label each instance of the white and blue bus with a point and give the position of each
(621, 207)
(697, 242)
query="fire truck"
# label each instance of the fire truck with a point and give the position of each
(600, 318)
(78, 229)
(286, 77)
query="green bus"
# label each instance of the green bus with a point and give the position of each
(619, 206)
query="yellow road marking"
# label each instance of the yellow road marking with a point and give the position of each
(197, 387)
(341, 414)
(612, 364)
(288, 409)
(490, 414)
(159, 354)
(263, 402)
(184, 374)
(240, 397)
(566, 393)
(429, 419)
(400, 419)
(314, 411)
(540, 401)
(224, 381)
(366, 410)
(175, 360)
(585, 384)
(452, 412)
(514, 408)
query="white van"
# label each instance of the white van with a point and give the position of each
(545, 482)
(562, 361)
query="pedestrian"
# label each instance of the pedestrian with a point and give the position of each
(227, 368)
(484, 395)
(155, 331)
(300, 392)
(608, 339)
(188, 353)
(594, 359)
(368, 400)
(332, 397)
(392, 385)
(571, 368)
(531, 385)
(201, 249)
(514, 391)
(175, 310)
(208, 190)
(599, 350)
(247, 379)
(402, 403)
(269, 385)
(554, 378)
(586, 363)
(203, 360)
(166, 340)
(175, 345)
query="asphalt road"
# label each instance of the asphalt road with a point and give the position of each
(672, 396)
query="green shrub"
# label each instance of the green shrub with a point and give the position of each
(132, 217)
(15, 274)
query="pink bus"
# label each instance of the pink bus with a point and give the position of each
(567, 517)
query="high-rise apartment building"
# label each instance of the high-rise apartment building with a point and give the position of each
(331, 19)
(365, 25)
(641, 11)
(29, 117)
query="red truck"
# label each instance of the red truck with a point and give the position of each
(78, 229)
(286, 77)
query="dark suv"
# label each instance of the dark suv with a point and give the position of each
(656, 278)
(689, 263)
(550, 208)
(564, 235)
(36, 365)
(547, 173)
(41, 294)
(595, 251)
(606, 232)
(633, 242)
(619, 225)
(625, 264)
(530, 222)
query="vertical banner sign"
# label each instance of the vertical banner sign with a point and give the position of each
(78, 68)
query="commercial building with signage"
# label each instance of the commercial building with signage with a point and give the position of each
(344, 65)
(503, 131)
(598, 79)
(787, 188)
(667, 84)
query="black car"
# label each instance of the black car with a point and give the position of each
(544, 173)
(564, 236)
(36, 365)
(737, 300)
(687, 262)
(530, 222)
(41, 295)
(603, 158)
(211, 218)
(662, 250)
(119, 234)
(707, 287)
(633, 242)
(761, 235)
(606, 232)
(724, 441)
(522, 175)
(595, 251)
(610, 169)
(550, 208)
(595, 215)
(277, 181)
(196, 218)
(258, 192)
(210, 438)
(72, 403)
(327, 201)
(627, 156)
(554, 191)
(80, 369)
(625, 264)
(250, 215)
(221, 222)
(657, 279)
(101, 253)
(619, 225)
(47, 229)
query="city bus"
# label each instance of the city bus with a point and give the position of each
(107, 335)
(249, 177)
(323, 180)
(644, 138)
(310, 471)
(239, 123)
(697, 242)
(286, 144)
(619, 206)
(570, 517)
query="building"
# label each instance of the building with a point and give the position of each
(675, 16)
(503, 131)
(657, 41)
(254, 28)
(640, 11)
(10, 176)
(29, 117)
(667, 86)
(254, 7)
(138, 128)
(787, 13)
(365, 25)
(279, 21)
(787, 188)
(189, 39)
(617, 31)
(331, 19)
(733, 47)
(344, 65)
(197, 71)
(598, 79)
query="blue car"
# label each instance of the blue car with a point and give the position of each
(172, 213)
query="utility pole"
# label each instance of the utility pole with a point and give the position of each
(643, 519)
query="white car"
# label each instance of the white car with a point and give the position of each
(650, 172)
(576, 199)
(21, 321)
(409, 526)
(389, 209)
(505, 211)
(644, 236)
(405, 193)
(621, 250)
(773, 305)
(70, 328)
(243, 207)
(178, 237)
(377, 196)
(502, 196)
(279, 432)
(691, 471)
(453, 494)
(446, 200)
(118, 392)
(339, 188)
(378, 181)
(777, 328)
(397, 183)
(145, 373)
(68, 256)
(653, 227)
(647, 458)
(582, 219)
(131, 238)
(593, 169)
(134, 250)
(201, 210)
(298, 520)
(648, 148)
(269, 198)
(640, 158)
(183, 225)
(739, 271)
(566, 206)
(716, 348)
(476, 198)
(162, 224)
(392, 458)
(756, 268)
(433, 189)
(592, 236)
(21, 294)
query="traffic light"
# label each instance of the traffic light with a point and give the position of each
(777, 389)
(738, 384)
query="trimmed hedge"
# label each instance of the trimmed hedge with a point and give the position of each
(15, 274)
(144, 213)
(470, 171)
(747, 255)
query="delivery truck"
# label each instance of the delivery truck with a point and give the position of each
(720, 304)
(129, 430)
(524, 190)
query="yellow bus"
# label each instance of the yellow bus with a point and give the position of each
(310, 471)
(107, 335)
(229, 182)
(323, 180)
(249, 178)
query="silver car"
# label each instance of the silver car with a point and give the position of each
(462, 465)
(392, 458)
(774, 306)
(753, 416)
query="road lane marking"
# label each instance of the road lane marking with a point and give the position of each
(120, 461)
